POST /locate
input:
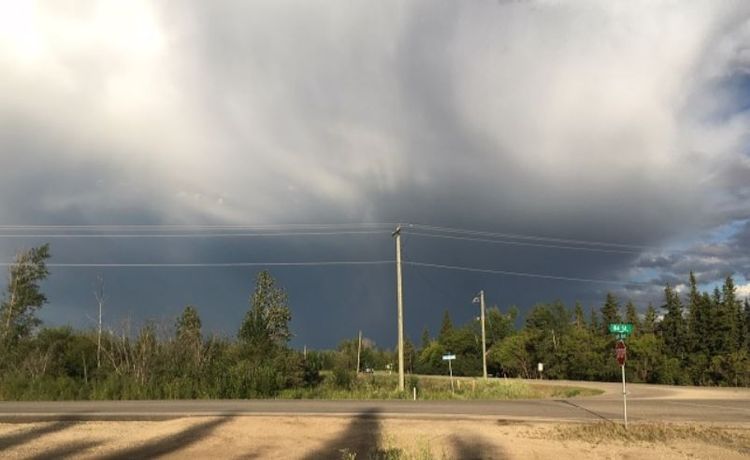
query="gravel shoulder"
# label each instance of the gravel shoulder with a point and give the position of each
(289, 437)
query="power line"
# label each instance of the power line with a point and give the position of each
(193, 235)
(525, 274)
(521, 243)
(523, 237)
(213, 265)
(194, 227)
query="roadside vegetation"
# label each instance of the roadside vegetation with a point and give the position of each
(701, 339)
(656, 433)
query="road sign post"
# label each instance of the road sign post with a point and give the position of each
(449, 358)
(621, 352)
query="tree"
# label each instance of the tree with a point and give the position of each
(648, 326)
(23, 297)
(673, 325)
(446, 328)
(188, 326)
(631, 316)
(425, 338)
(732, 315)
(266, 323)
(610, 312)
(594, 322)
(578, 317)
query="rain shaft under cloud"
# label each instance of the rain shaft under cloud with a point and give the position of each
(621, 121)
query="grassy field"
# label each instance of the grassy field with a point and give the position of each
(382, 386)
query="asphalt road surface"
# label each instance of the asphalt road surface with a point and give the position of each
(645, 403)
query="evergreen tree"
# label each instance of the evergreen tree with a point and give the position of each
(188, 326)
(649, 320)
(578, 317)
(631, 316)
(594, 325)
(610, 312)
(266, 323)
(425, 338)
(446, 327)
(732, 315)
(696, 318)
(747, 324)
(673, 325)
(23, 297)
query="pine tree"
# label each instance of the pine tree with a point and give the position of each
(732, 315)
(673, 325)
(188, 326)
(578, 316)
(425, 338)
(696, 318)
(649, 320)
(267, 321)
(594, 322)
(747, 324)
(446, 328)
(631, 316)
(610, 312)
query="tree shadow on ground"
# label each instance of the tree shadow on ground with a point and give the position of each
(476, 448)
(360, 439)
(595, 414)
(23, 437)
(171, 443)
(66, 450)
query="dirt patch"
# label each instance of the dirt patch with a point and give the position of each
(361, 437)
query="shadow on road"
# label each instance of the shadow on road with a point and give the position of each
(67, 450)
(361, 439)
(171, 443)
(30, 435)
(476, 448)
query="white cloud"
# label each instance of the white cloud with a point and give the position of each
(549, 112)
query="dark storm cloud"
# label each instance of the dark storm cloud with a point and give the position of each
(617, 121)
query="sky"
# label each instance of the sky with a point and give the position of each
(625, 123)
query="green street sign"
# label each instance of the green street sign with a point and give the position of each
(621, 328)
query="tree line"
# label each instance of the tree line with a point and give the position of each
(699, 338)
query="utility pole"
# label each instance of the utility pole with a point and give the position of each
(400, 302)
(99, 294)
(359, 349)
(480, 299)
(484, 340)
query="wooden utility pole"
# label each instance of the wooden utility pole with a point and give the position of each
(484, 341)
(99, 294)
(359, 349)
(400, 302)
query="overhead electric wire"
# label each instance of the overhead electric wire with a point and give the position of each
(524, 274)
(522, 237)
(193, 227)
(192, 235)
(523, 243)
(214, 265)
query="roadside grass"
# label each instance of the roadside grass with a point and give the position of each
(387, 450)
(656, 433)
(379, 386)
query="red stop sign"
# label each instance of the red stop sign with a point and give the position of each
(620, 352)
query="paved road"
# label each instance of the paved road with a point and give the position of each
(646, 402)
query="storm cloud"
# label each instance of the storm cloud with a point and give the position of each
(619, 121)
